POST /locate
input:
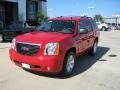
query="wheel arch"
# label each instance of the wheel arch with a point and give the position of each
(73, 49)
(96, 39)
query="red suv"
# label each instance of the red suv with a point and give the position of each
(53, 46)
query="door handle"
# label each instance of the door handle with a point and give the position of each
(88, 41)
(83, 39)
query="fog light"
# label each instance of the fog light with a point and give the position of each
(48, 68)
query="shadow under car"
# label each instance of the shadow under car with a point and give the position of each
(83, 63)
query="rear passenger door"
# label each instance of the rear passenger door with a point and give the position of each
(90, 35)
(82, 38)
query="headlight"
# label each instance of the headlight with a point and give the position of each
(51, 49)
(13, 46)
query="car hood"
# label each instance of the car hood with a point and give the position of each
(42, 37)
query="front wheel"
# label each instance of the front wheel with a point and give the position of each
(103, 28)
(69, 64)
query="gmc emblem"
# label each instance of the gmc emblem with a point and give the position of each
(25, 48)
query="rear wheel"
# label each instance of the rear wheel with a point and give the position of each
(93, 50)
(69, 64)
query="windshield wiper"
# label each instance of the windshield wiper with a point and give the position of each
(65, 31)
(43, 31)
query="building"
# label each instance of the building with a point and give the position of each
(113, 20)
(22, 10)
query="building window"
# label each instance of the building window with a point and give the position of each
(1, 16)
(31, 9)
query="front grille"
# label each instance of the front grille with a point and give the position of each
(27, 49)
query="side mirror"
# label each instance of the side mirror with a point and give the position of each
(83, 31)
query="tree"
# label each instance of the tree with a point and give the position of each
(99, 18)
(41, 18)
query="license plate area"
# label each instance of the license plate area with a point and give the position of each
(27, 66)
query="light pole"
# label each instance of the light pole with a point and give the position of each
(91, 8)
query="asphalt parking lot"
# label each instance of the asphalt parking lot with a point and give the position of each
(101, 72)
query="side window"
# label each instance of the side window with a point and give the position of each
(88, 25)
(95, 25)
(81, 25)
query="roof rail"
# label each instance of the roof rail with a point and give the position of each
(74, 17)
(68, 16)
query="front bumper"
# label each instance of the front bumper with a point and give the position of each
(41, 63)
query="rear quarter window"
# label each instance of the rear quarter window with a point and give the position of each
(95, 27)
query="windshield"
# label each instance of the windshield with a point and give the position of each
(63, 26)
(98, 23)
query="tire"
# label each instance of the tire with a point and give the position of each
(93, 50)
(103, 28)
(69, 63)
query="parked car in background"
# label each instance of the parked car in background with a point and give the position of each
(0, 30)
(14, 29)
(117, 27)
(0, 36)
(114, 27)
(1, 26)
(102, 26)
(55, 44)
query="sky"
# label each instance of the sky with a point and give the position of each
(106, 8)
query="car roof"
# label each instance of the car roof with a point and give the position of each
(75, 18)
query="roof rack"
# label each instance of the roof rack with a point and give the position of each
(74, 17)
